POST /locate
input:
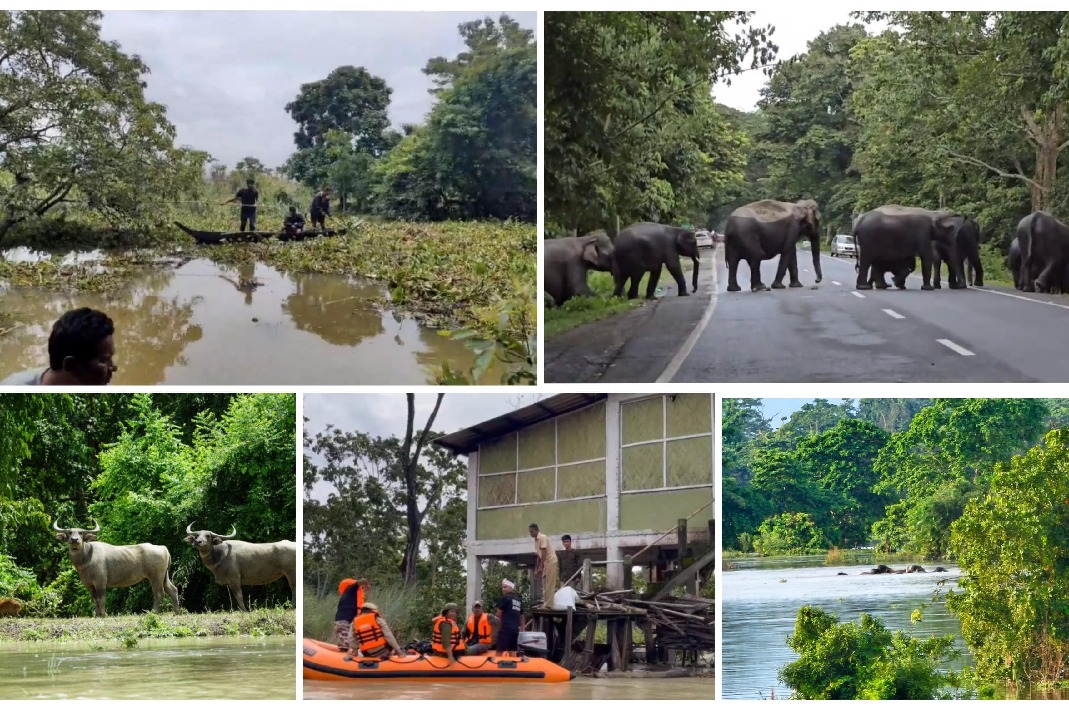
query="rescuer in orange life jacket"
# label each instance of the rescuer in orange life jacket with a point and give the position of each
(352, 594)
(479, 631)
(447, 636)
(371, 636)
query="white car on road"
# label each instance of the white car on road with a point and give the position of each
(843, 245)
(704, 238)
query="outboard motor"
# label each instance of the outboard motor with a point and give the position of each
(533, 644)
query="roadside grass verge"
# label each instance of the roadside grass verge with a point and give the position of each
(602, 305)
(130, 628)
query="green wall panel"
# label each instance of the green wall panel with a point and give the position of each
(642, 420)
(554, 519)
(660, 511)
(535, 486)
(689, 414)
(690, 461)
(577, 481)
(498, 455)
(581, 435)
(538, 446)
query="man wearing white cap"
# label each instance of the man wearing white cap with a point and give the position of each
(510, 614)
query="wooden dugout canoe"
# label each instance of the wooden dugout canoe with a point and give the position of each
(324, 662)
(212, 237)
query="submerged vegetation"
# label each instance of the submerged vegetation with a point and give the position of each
(129, 629)
(865, 661)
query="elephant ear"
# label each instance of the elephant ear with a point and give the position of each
(590, 251)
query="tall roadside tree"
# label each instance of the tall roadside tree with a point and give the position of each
(631, 131)
(74, 124)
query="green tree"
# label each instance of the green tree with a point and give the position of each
(1013, 545)
(864, 661)
(74, 122)
(947, 456)
(351, 100)
(631, 131)
(890, 414)
(789, 533)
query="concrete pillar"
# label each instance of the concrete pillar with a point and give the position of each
(615, 569)
(475, 573)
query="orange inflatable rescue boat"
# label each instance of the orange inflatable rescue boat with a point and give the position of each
(325, 662)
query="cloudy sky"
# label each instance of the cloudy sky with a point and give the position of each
(225, 77)
(795, 27)
(386, 415)
(777, 409)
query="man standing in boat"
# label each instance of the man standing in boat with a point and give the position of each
(320, 208)
(248, 197)
(510, 614)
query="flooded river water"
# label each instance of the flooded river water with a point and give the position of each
(203, 323)
(688, 689)
(211, 668)
(762, 596)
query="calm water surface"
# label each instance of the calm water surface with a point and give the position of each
(689, 689)
(203, 323)
(762, 597)
(234, 668)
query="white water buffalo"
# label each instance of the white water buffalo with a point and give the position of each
(102, 566)
(236, 563)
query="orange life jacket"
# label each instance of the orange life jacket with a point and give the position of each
(456, 641)
(359, 598)
(367, 633)
(478, 633)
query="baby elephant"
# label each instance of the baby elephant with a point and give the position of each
(647, 247)
(567, 261)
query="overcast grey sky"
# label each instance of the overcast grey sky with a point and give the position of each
(225, 77)
(795, 27)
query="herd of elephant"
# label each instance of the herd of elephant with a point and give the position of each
(889, 239)
(884, 569)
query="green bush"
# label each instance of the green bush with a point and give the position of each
(865, 661)
(789, 533)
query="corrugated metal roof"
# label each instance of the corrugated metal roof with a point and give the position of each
(468, 440)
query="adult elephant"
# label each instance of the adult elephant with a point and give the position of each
(761, 231)
(647, 247)
(1015, 264)
(1044, 246)
(892, 234)
(568, 260)
(967, 251)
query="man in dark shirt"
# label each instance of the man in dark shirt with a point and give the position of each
(510, 614)
(81, 352)
(569, 563)
(248, 197)
(293, 225)
(320, 208)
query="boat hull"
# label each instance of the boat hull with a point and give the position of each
(211, 237)
(324, 662)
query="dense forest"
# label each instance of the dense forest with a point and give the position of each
(144, 466)
(982, 481)
(962, 110)
(79, 141)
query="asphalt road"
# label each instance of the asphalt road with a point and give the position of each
(831, 333)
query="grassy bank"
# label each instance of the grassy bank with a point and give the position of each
(602, 304)
(130, 629)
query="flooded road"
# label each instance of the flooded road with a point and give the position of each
(761, 599)
(686, 689)
(206, 324)
(210, 668)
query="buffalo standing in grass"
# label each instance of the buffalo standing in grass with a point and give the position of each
(102, 566)
(236, 563)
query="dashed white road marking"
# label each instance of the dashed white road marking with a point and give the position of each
(894, 314)
(681, 356)
(955, 347)
(837, 284)
(855, 293)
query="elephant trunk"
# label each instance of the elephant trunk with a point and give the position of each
(694, 274)
(814, 247)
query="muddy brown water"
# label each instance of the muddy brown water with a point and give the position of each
(209, 668)
(686, 689)
(201, 324)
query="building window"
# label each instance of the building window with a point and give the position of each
(666, 442)
(562, 458)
